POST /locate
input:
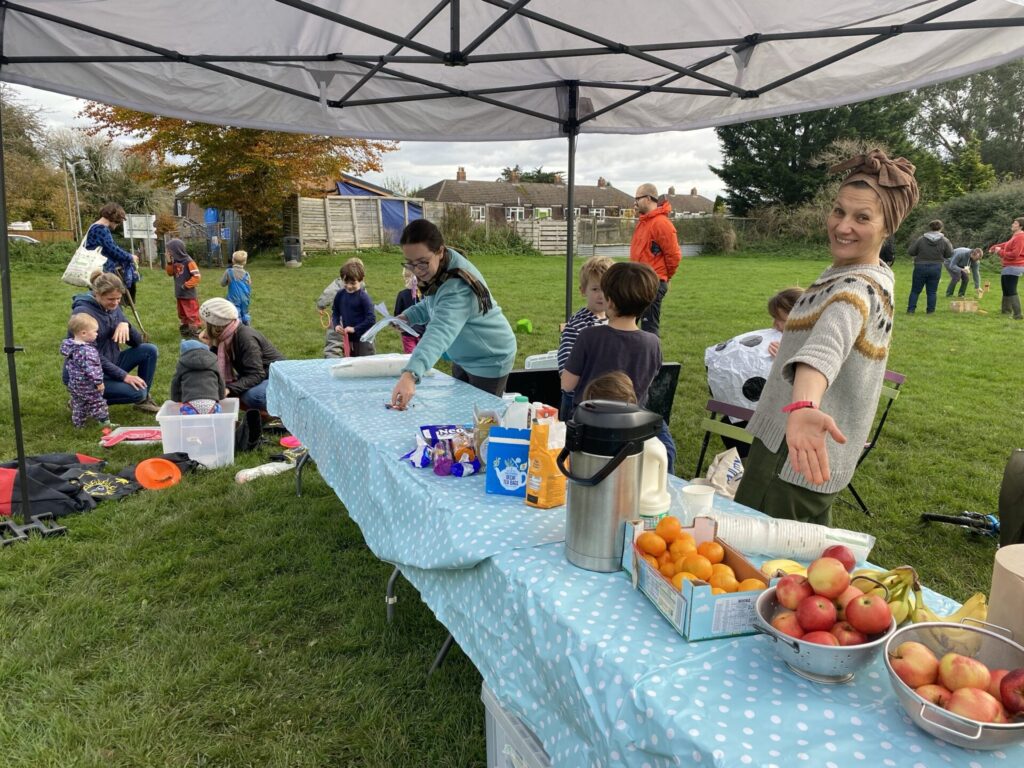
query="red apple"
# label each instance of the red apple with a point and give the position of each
(791, 590)
(842, 554)
(956, 672)
(821, 638)
(915, 664)
(847, 635)
(787, 624)
(997, 678)
(1011, 691)
(828, 577)
(816, 613)
(974, 704)
(848, 594)
(934, 693)
(869, 613)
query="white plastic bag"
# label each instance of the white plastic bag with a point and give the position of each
(725, 473)
(83, 264)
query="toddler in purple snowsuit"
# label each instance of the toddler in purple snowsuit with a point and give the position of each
(85, 373)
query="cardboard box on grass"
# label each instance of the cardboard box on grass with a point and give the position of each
(964, 306)
(695, 613)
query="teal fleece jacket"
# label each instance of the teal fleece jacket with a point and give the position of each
(482, 344)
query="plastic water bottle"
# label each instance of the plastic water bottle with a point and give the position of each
(517, 415)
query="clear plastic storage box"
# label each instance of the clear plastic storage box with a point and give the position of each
(208, 439)
(510, 744)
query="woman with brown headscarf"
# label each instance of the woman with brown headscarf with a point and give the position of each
(819, 401)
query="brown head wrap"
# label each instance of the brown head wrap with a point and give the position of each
(892, 180)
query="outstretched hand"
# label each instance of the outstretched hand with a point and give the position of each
(806, 431)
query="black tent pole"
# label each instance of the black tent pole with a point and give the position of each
(572, 128)
(9, 348)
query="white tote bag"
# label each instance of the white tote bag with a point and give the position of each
(83, 264)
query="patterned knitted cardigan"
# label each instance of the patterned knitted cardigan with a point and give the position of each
(842, 327)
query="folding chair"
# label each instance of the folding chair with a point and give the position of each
(717, 423)
(890, 391)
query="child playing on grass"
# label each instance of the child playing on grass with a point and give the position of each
(239, 284)
(352, 310)
(197, 384)
(405, 299)
(85, 371)
(592, 313)
(186, 277)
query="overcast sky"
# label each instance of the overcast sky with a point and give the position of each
(678, 159)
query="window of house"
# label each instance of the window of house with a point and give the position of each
(515, 213)
(598, 213)
(542, 213)
(477, 212)
(576, 212)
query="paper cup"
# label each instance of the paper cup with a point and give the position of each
(697, 499)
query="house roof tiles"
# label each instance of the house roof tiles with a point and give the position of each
(523, 193)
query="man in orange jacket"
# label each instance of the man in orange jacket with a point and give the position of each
(654, 242)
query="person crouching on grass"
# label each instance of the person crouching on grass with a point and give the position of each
(819, 401)
(84, 371)
(186, 277)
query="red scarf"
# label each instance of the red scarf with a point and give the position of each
(224, 351)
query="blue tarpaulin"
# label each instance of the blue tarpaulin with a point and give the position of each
(392, 210)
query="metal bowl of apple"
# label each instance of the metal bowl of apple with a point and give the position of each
(815, 661)
(945, 676)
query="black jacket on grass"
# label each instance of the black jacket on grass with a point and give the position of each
(251, 356)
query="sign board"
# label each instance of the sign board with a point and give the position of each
(141, 226)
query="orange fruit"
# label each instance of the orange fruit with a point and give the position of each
(717, 591)
(668, 570)
(651, 543)
(677, 581)
(698, 565)
(712, 550)
(664, 558)
(687, 536)
(682, 546)
(751, 585)
(724, 581)
(669, 528)
(717, 568)
(652, 561)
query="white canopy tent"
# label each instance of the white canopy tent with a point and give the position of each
(440, 70)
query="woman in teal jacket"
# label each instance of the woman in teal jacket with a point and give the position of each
(463, 321)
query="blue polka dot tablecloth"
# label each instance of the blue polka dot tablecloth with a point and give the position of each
(408, 516)
(592, 668)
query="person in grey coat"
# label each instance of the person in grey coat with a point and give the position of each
(197, 384)
(930, 251)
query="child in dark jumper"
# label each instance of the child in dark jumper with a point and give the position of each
(352, 311)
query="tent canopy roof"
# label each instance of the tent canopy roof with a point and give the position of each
(495, 69)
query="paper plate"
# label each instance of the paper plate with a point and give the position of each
(290, 441)
(155, 474)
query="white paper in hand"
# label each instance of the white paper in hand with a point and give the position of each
(386, 319)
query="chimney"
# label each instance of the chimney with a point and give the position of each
(513, 177)
(601, 182)
(460, 175)
(671, 190)
(558, 179)
(693, 191)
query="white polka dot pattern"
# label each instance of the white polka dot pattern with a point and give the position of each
(440, 522)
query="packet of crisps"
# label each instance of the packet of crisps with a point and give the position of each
(545, 484)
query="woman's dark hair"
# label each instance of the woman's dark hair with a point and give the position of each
(425, 232)
(112, 212)
(1020, 221)
(784, 301)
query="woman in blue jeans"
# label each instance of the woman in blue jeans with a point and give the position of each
(930, 251)
(120, 385)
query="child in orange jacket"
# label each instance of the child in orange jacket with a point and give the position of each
(186, 277)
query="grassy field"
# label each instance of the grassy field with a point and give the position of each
(222, 625)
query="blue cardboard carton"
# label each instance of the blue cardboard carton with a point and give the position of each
(508, 458)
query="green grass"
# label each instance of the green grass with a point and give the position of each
(222, 625)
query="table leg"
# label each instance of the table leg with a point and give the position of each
(439, 659)
(299, 465)
(389, 597)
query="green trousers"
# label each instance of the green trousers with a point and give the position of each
(761, 488)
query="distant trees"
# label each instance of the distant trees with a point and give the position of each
(248, 171)
(538, 175)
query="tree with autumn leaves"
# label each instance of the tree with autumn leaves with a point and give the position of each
(248, 171)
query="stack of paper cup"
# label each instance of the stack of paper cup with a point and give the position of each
(1006, 598)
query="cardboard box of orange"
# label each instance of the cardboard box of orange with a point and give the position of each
(694, 611)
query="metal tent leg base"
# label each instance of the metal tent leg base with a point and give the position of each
(439, 659)
(43, 524)
(299, 466)
(390, 598)
(860, 501)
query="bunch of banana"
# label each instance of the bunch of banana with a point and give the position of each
(773, 568)
(898, 587)
(960, 641)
